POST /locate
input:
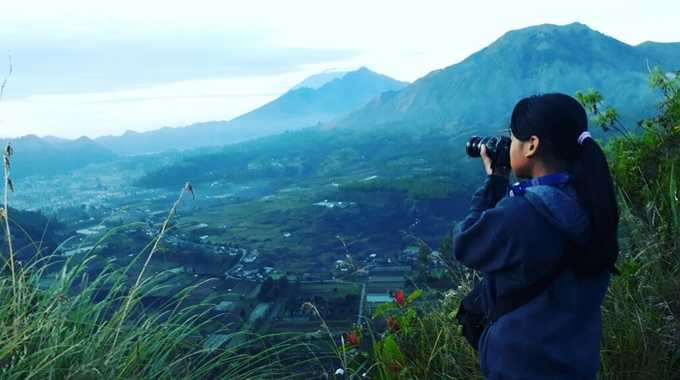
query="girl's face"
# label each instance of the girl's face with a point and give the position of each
(522, 156)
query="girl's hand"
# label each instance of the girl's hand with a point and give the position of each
(486, 160)
(487, 164)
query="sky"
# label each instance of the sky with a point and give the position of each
(94, 68)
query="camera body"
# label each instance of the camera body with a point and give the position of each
(497, 148)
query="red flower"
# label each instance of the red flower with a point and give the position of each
(392, 324)
(399, 297)
(352, 338)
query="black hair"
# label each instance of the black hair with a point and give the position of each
(558, 120)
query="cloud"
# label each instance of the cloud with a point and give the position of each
(113, 112)
(76, 65)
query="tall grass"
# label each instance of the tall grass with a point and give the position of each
(642, 310)
(57, 333)
(4, 213)
(57, 321)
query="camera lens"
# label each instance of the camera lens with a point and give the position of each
(472, 147)
(497, 148)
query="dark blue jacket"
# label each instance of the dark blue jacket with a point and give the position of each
(514, 241)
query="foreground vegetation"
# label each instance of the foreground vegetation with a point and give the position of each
(642, 310)
(641, 337)
(57, 320)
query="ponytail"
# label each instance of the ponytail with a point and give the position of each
(561, 121)
(595, 190)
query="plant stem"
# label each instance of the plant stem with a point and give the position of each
(135, 287)
(8, 234)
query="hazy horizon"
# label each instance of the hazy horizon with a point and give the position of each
(93, 70)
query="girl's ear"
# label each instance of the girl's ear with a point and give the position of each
(531, 146)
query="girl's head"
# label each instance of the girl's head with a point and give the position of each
(545, 132)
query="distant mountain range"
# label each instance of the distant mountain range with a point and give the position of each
(52, 155)
(303, 106)
(475, 94)
(482, 89)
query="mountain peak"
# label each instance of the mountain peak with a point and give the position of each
(543, 28)
(545, 44)
(364, 76)
(547, 32)
(317, 81)
(129, 132)
(483, 88)
(364, 71)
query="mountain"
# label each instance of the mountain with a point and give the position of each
(297, 108)
(474, 96)
(480, 91)
(663, 54)
(44, 156)
(319, 80)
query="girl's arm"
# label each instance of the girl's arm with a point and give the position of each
(485, 239)
(495, 188)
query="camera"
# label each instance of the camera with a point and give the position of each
(497, 148)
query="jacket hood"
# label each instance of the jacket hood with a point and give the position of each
(560, 207)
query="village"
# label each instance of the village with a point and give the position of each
(247, 292)
(257, 283)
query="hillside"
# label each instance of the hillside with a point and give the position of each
(298, 108)
(38, 231)
(482, 89)
(665, 55)
(48, 156)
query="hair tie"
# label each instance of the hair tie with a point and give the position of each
(583, 136)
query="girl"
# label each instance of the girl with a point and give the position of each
(561, 219)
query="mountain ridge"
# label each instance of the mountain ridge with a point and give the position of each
(482, 89)
(49, 155)
(297, 108)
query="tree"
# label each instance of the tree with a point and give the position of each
(608, 119)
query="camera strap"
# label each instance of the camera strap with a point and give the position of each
(554, 179)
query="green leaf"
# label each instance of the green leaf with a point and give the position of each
(414, 296)
(390, 350)
(384, 309)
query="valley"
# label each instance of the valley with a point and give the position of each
(341, 230)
